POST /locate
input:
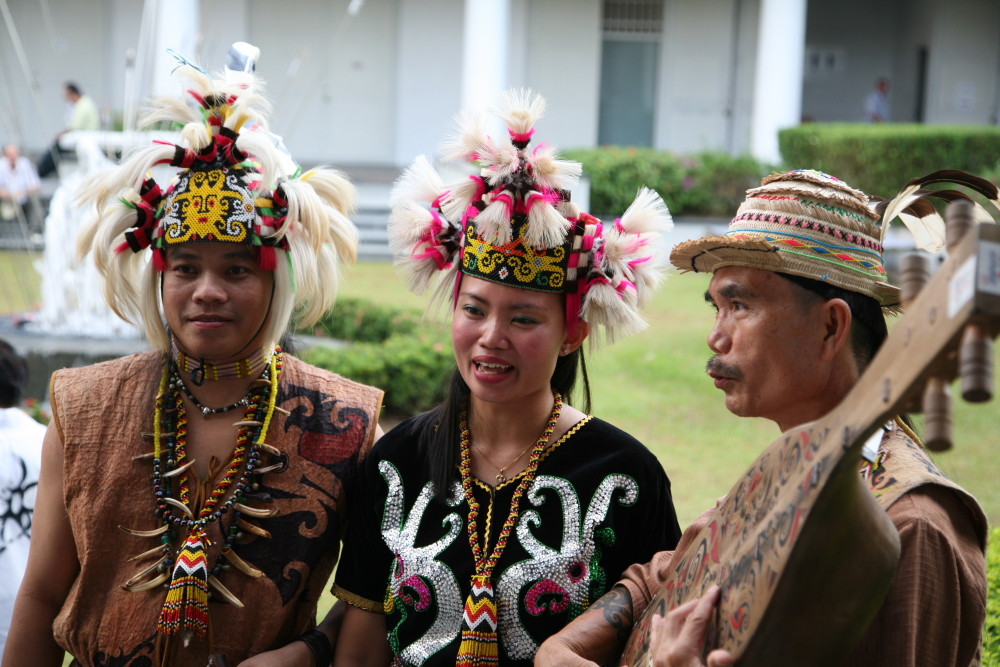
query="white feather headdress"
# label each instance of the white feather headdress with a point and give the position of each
(517, 211)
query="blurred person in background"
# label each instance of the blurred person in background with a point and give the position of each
(20, 461)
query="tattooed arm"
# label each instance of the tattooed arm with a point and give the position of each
(595, 637)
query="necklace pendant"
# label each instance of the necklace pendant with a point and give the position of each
(206, 411)
(501, 478)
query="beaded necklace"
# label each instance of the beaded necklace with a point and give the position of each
(198, 370)
(177, 382)
(479, 619)
(186, 605)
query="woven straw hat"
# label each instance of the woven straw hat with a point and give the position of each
(804, 223)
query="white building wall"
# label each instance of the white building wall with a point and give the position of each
(561, 59)
(72, 47)
(849, 44)
(964, 62)
(428, 77)
(382, 87)
(696, 57)
(332, 77)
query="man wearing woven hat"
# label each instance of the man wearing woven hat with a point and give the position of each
(192, 497)
(799, 290)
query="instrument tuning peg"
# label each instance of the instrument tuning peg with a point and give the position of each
(975, 365)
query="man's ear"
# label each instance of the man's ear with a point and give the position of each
(837, 320)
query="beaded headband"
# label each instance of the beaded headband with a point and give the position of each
(805, 223)
(514, 224)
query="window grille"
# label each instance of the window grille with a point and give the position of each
(633, 18)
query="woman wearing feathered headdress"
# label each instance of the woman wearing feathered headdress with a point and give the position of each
(500, 515)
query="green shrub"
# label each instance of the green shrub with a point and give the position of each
(880, 159)
(363, 321)
(991, 635)
(703, 184)
(412, 369)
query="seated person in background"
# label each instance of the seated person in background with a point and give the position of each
(794, 329)
(19, 184)
(503, 513)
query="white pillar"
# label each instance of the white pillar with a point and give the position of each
(178, 27)
(485, 46)
(777, 95)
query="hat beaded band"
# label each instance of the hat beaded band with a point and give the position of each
(878, 272)
(815, 245)
(860, 242)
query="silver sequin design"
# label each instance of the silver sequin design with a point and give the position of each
(417, 569)
(563, 574)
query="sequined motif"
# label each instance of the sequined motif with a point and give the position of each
(600, 501)
(557, 570)
(417, 567)
(553, 579)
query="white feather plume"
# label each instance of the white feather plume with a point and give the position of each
(460, 198)
(470, 138)
(552, 173)
(408, 222)
(522, 108)
(647, 213)
(546, 227)
(500, 165)
(493, 222)
(420, 182)
(611, 315)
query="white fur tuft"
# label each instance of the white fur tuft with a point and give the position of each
(522, 108)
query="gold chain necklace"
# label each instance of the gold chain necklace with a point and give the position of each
(501, 477)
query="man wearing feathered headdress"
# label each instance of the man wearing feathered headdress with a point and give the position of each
(192, 497)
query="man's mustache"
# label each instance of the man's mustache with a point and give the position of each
(719, 368)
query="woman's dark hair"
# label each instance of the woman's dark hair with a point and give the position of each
(868, 328)
(436, 431)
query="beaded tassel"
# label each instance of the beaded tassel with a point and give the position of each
(479, 646)
(186, 607)
(479, 625)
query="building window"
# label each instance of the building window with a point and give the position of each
(633, 17)
(630, 58)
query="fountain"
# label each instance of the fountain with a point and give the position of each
(74, 325)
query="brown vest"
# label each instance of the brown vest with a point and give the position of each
(903, 465)
(101, 412)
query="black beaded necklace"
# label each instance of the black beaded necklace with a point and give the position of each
(176, 382)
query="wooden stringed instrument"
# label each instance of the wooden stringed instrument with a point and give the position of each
(801, 549)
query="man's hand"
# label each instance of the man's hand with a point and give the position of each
(678, 640)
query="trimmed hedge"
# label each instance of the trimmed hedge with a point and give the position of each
(881, 158)
(389, 349)
(412, 369)
(363, 321)
(702, 184)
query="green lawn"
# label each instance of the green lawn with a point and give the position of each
(20, 284)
